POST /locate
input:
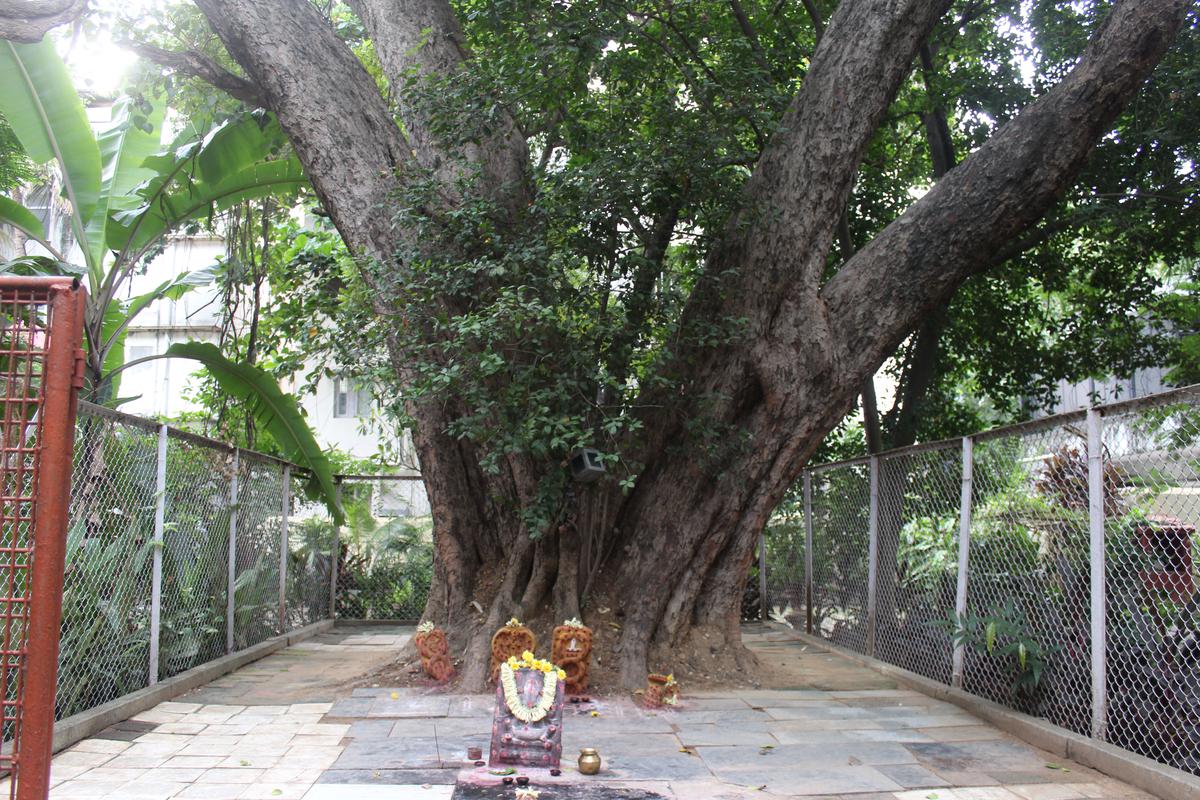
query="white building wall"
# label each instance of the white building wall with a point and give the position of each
(159, 386)
(1082, 395)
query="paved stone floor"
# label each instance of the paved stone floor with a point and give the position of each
(283, 728)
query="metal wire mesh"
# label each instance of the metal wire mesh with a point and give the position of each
(107, 648)
(840, 508)
(259, 527)
(310, 545)
(1029, 574)
(105, 637)
(385, 561)
(1152, 511)
(22, 335)
(784, 539)
(195, 554)
(919, 500)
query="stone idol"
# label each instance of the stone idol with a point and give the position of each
(527, 726)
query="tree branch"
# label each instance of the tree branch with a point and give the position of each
(998, 192)
(751, 35)
(199, 65)
(330, 107)
(29, 20)
(783, 230)
(814, 14)
(421, 40)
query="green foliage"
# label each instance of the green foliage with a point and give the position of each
(46, 115)
(539, 329)
(1006, 637)
(386, 565)
(15, 167)
(1091, 291)
(928, 551)
(125, 195)
(274, 411)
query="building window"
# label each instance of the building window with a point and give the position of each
(350, 399)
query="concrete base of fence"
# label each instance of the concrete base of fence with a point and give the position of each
(373, 623)
(1148, 775)
(80, 726)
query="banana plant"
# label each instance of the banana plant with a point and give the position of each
(126, 192)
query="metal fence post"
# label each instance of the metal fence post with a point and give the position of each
(1098, 604)
(872, 553)
(160, 519)
(231, 575)
(762, 576)
(333, 557)
(808, 553)
(283, 546)
(964, 550)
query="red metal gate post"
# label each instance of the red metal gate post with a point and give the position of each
(56, 435)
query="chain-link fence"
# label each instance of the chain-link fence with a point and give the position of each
(1074, 596)
(385, 562)
(156, 514)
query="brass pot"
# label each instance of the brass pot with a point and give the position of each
(589, 761)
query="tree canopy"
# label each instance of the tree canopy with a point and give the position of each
(687, 233)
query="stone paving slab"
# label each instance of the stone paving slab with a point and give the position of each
(557, 793)
(279, 729)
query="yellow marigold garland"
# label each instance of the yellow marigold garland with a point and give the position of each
(551, 675)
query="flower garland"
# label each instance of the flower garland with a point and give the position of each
(551, 675)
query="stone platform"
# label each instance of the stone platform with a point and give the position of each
(282, 729)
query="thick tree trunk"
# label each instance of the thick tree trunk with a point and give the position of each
(668, 560)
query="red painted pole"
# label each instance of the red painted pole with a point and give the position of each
(60, 383)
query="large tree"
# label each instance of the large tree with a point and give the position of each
(734, 339)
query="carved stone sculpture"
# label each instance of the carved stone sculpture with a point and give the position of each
(660, 690)
(571, 651)
(511, 641)
(434, 651)
(527, 726)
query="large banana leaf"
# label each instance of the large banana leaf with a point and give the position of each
(131, 139)
(44, 110)
(134, 230)
(20, 217)
(195, 170)
(233, 145)
(39, 265)
(273, 410)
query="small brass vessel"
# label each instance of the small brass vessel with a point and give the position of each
(589, 761)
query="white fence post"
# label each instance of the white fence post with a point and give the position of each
(873, 553)
(283, 546)
(334, 548)
(808, 553)
(231, 575)
(964, 550)
(160, 519)
(1098, 604)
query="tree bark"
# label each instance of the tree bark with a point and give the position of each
(29, 20)
(679, 545)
